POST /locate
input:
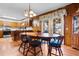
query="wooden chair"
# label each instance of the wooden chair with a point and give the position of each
(56, 44)
(32, 47)
(25, 43)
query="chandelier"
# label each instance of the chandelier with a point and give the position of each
(29, 13)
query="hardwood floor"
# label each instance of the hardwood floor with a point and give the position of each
(10, 48)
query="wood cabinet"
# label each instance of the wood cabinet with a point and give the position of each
(1, 34)
(15, 35)
(75, 41)
(68, 30)
(13, 24)
(1, 23)
(75, 34)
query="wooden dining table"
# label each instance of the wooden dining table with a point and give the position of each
(39, 35)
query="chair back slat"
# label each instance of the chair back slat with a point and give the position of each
(25, 38)
(58, 40)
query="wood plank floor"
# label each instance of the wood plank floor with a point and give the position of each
(10, 48)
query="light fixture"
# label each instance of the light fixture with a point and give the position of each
(29, 12)
(23, 24)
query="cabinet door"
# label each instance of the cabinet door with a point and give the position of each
(75, 40)
(1, 34)
(75, 24)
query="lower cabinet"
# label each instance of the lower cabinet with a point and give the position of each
(15, 35)
(75, 41)
(1, 34)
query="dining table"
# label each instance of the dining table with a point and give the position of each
(39, 35)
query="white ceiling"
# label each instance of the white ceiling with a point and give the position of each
(17, 9)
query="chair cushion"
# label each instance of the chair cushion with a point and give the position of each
(54, 44)
(35, 43)
(25, 41)
(45, 39)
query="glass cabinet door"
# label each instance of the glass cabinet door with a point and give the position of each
(75, 36)
(75, 24)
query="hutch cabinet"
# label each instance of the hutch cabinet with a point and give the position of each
(75, 33)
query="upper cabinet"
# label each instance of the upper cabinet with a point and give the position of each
(1, 23)
(76, 24)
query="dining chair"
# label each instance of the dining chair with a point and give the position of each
(24, 43)
(45, 40)
(56, 44)
(33, 45)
